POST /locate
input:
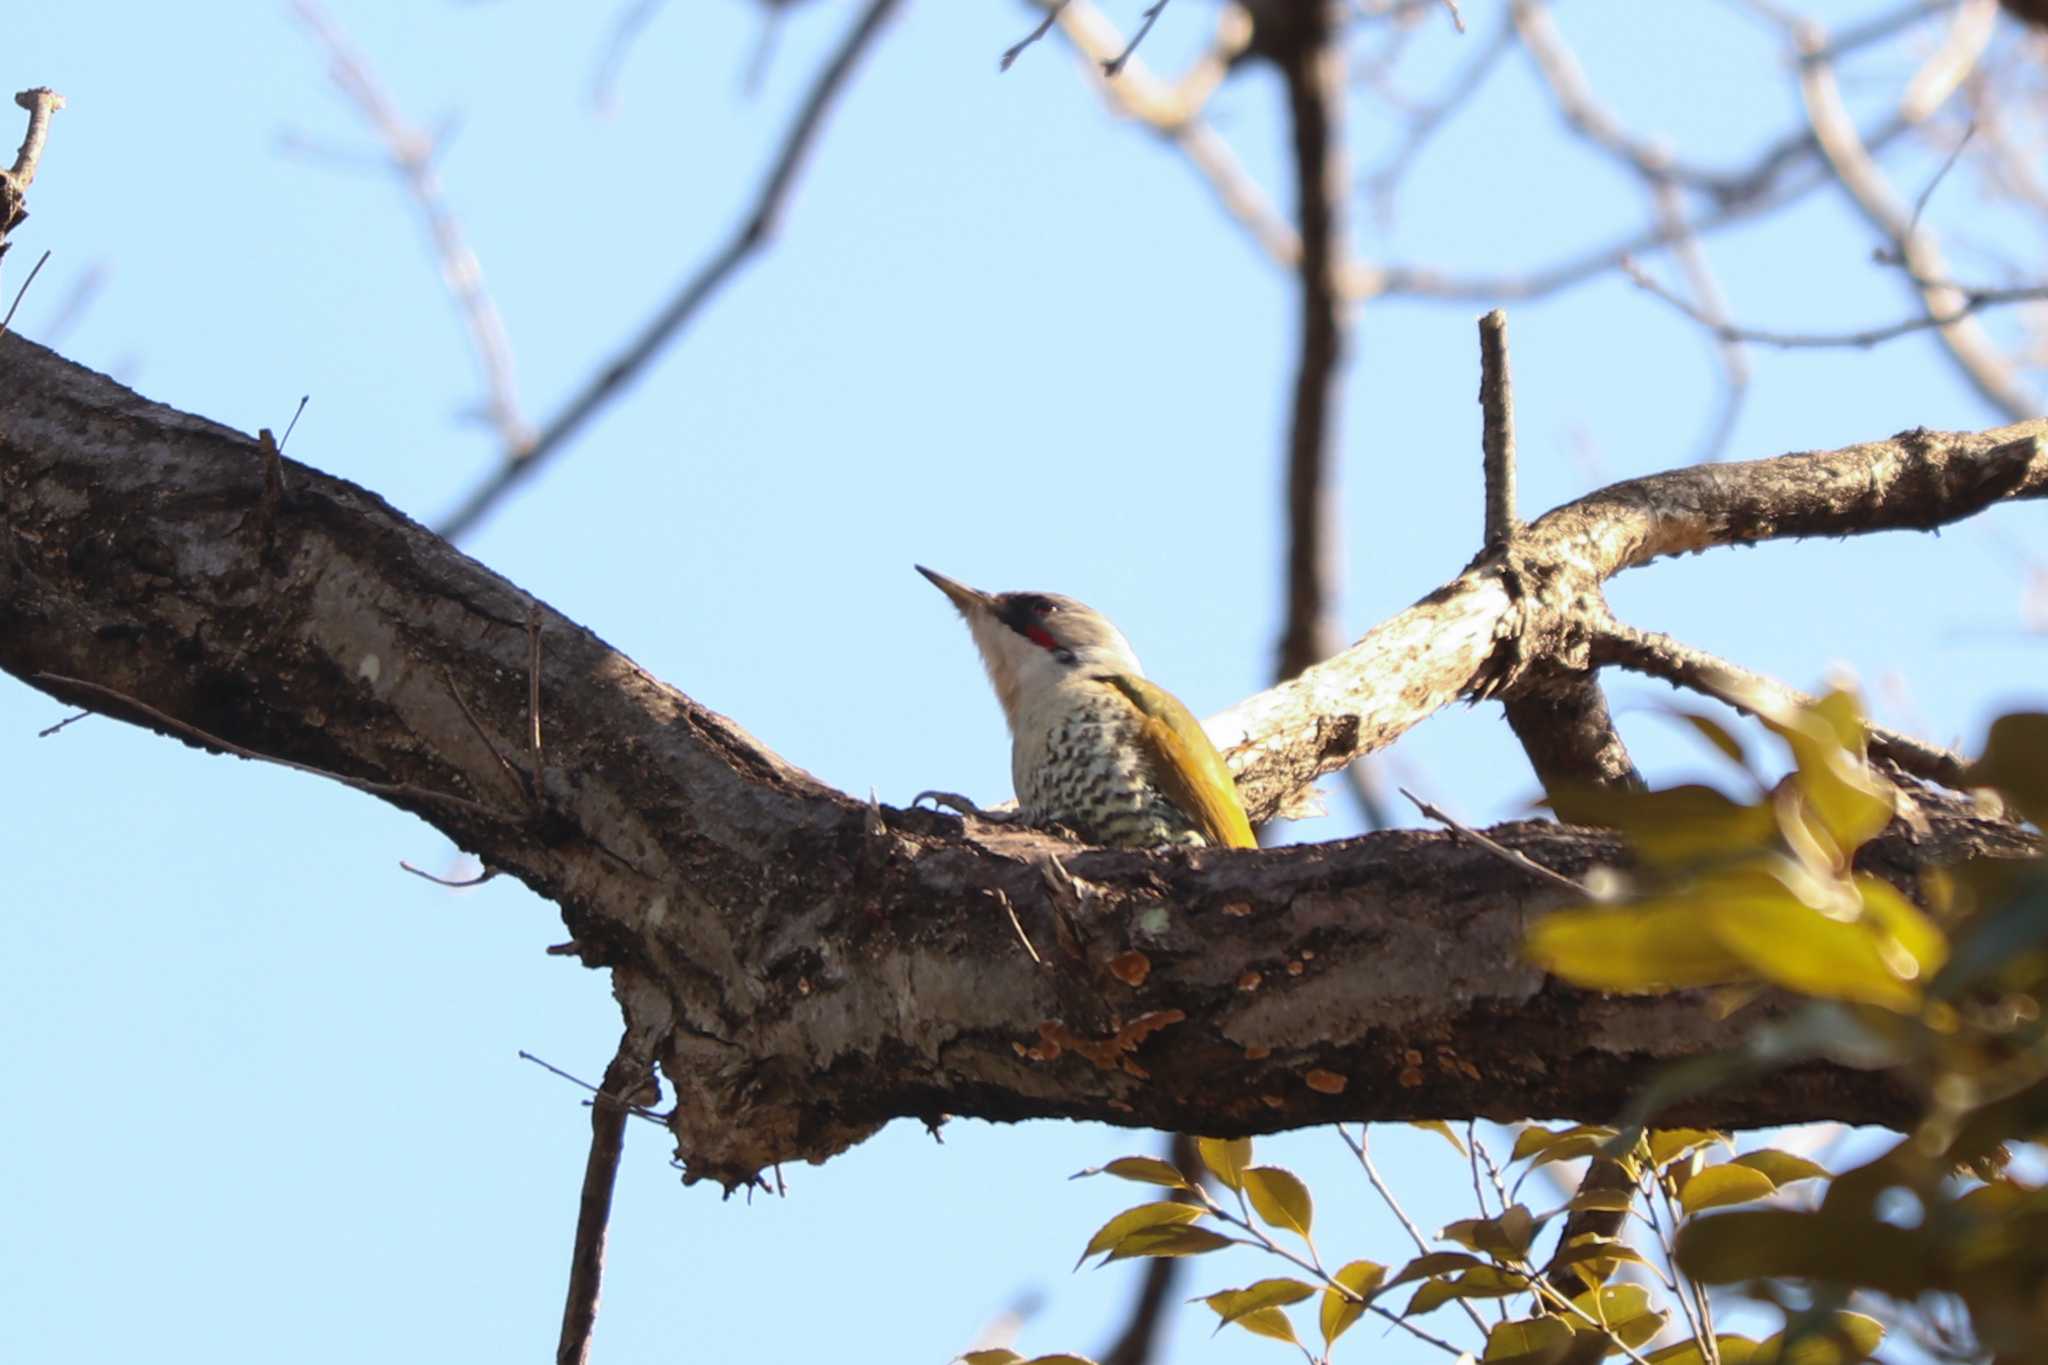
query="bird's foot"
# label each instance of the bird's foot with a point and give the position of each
(960, 805)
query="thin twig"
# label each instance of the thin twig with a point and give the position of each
(1713, 304)
(34, 271)
(451, 883)
(1660, 656)
(396, 790)
(754, 233)
(46, 732)
(604, 81)
(1970, 301)
(1115, 65)
(513, 774)
(1497, 433)
(411, 154)
(1498, 850)
(625, 1076)
(533, 683)
(1018, 925)
(1016, 49)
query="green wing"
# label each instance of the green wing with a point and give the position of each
(1185, 764)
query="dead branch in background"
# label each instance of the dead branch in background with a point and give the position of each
(41, 102)
(411, 154)
(753, 233)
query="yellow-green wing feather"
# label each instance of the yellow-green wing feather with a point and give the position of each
(1185, 764)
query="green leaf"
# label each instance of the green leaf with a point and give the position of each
(1280, 1198)
(1669, 1144)
(1836, 1248)
(1719, 1186)
(1233, 1304)
(1442, 1130)
(1001, 1355)
(1146, 1170)
(1481, 1282)
(1782, 1167)
(1226, 1158)
(2016, 762)
(1172, 1240)
(1540, 1338)
(1599, 1254)
(1362, 1278)
(1602, 1201)
(1159, 1213)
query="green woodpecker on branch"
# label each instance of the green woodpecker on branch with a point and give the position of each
(1095, 746)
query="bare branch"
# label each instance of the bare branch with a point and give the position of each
(1311, 67)
(41, 102)
(624, 1080)
(753, 234)
(1980, 361)
(1660, 656)
(411, 154)
(1969, 302)
(1497, 432)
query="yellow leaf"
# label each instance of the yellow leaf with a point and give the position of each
(1530, 1141)
(1652, 946)
(1339, 1310)
(1851, 802)
(1672, 825)
(1715, 734)
(1669, 1144)
(1280, 1198)
(1585, 1139)
(1769, 915)
(1623, 1310)
(1782, 1167)
(1435, 1263)
(1733, 1350)
(1226, 1158)
(1269, 1322)
(1000, 1355)
(1919, 937)
(1507, 1235)
(1441, 1129)
(1526, 1337)
(1846, 1247)
(1825, 1344)
(1059, 1360)
(1481, 1282)
(1147, 1170)
(1718, 1186)
(1171, 1240)
(1160, 1213)
(1232, 1304)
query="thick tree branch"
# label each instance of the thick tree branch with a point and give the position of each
(807, 967)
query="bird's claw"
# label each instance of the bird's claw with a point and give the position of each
(960, 805)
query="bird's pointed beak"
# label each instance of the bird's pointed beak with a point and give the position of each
(970, 601)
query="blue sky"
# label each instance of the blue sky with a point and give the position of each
(265, 1097)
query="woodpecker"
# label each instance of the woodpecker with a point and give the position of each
(1095, 746)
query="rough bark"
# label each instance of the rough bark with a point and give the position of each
(806, 967)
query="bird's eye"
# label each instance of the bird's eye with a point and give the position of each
(1045, 607)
